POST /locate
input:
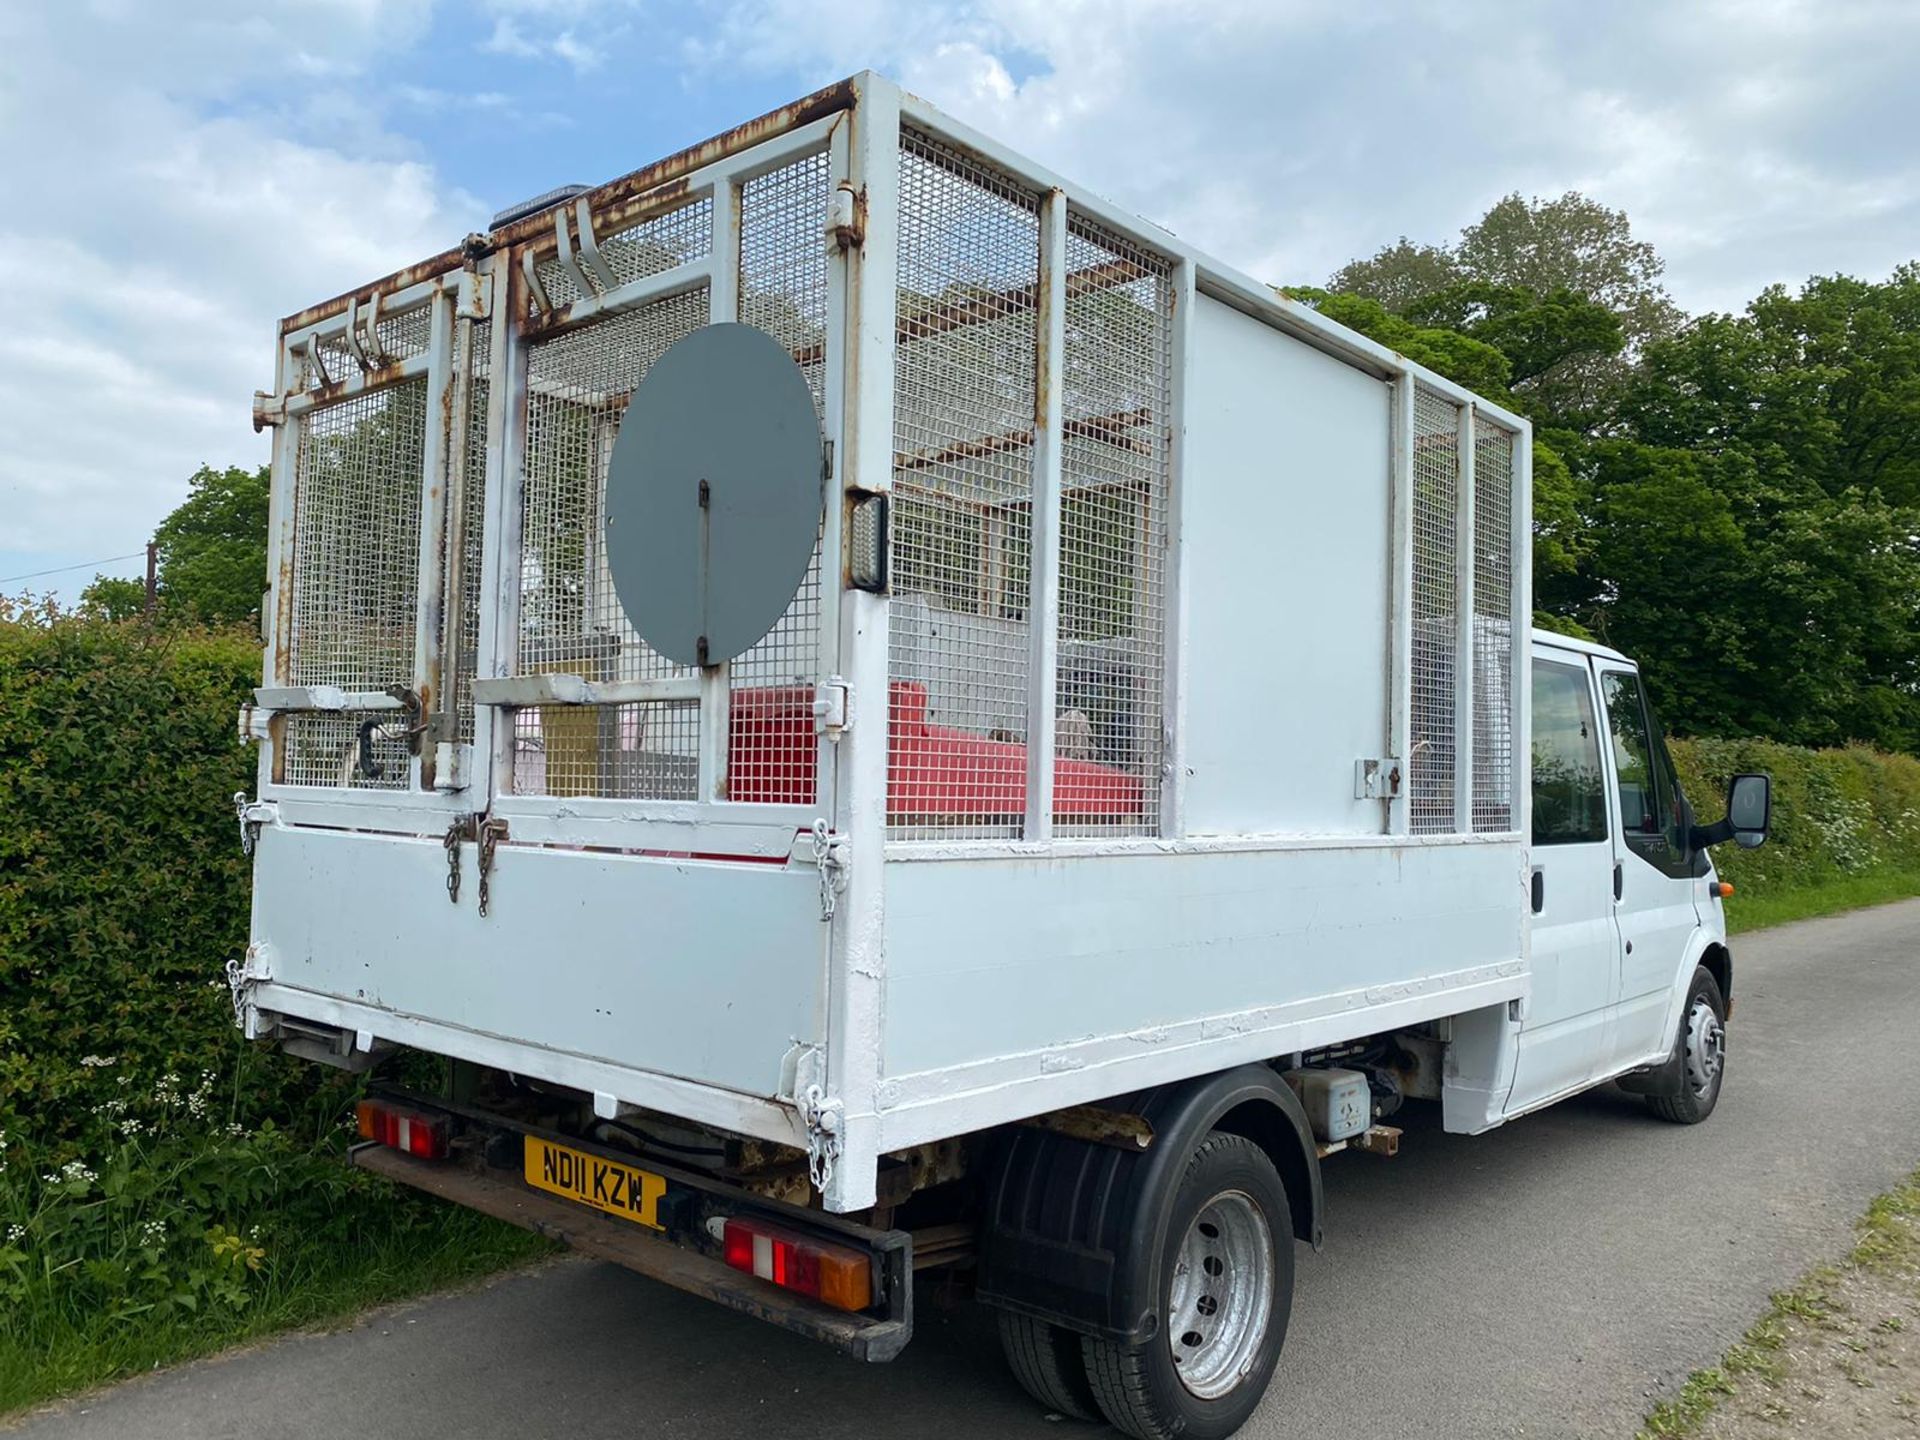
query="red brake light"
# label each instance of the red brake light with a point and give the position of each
(836, 1275)
(399, 1128)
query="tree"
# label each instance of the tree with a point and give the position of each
(213, 548)
(111, 597)
(1822, 385)
(1572, 243)
(1398, 275)
(1559, 263)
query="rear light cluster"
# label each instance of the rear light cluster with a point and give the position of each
(399, 1128)
(836, 1275)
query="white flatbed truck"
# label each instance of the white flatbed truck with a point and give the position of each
(883, 714)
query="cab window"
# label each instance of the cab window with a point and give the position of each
(1569, 791)
(1652, 814)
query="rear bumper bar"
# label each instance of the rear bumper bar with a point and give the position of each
(874, 1336)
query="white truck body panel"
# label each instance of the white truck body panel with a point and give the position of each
(1176, 564)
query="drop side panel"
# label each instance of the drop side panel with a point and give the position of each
(1068, 962)
(704, 971)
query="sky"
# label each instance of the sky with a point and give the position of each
(174, 177)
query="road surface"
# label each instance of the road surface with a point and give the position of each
(1553, 1278)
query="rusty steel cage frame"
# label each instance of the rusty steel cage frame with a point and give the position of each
(463, 329)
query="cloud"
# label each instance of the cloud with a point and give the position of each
(568, 44)
(158, 226)
(1752, 141)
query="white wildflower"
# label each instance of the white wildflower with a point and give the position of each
(15, 1234)
(153, 1232)
(98, 1062)
(77, 1170)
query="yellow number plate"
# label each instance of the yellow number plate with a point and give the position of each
(606, 1185)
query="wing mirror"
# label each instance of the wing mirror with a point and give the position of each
(1749, 815)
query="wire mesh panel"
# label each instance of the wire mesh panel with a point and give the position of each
(783, 290)
(356, 500)
(325, 748)
(641, 751)
(964, 394)
(1436, 500)
(1493, 699)
(1114, 481)
(571, 622)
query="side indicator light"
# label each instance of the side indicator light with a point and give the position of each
(835, 1275)
(1722, 889)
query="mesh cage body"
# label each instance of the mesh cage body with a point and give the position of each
(782, 284)
(1115, 466)
(1493, 697)
(964, 399)
(1436, 621)
(356, 565)
(571, 621)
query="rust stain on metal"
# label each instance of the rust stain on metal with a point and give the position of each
(1097, 1125)
(346, 385)
(605, 201)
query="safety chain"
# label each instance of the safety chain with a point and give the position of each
(492, 832)
(821, 1116)
(242, 976)
(833, 869)
(458, 833)
(249, 827)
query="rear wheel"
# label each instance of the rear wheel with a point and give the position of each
(1702, 1046)
(1225, 1282)
(1046, 1361)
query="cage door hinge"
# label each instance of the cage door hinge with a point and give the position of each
(847, 216)
(1377, 779)
(832, 716)
(474, 299)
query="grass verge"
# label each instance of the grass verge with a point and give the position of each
(404, 1247)
(1758, 909)
(1825, 1326)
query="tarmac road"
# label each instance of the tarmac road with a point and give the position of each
(1553, 1278)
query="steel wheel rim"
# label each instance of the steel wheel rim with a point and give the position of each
(1706, 1046)
(1220, 1295)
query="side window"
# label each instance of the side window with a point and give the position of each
(1569, 793)
(1651, 818)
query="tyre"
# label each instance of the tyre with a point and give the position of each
(1702, 1044)
(1046, 1361)
(1224, 1277)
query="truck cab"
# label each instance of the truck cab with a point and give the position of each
(1632, 977)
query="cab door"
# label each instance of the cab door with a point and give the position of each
(1566, 1036)
(1653, 868)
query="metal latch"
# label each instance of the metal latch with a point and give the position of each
(1376, 779)
(252, 814)
(831, 715)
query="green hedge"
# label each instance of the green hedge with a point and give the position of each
(1837, 814)
(123, 891)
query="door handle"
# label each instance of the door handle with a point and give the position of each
(1539, 889)
(1619, 881)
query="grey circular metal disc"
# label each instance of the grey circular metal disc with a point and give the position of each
(714, 494)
